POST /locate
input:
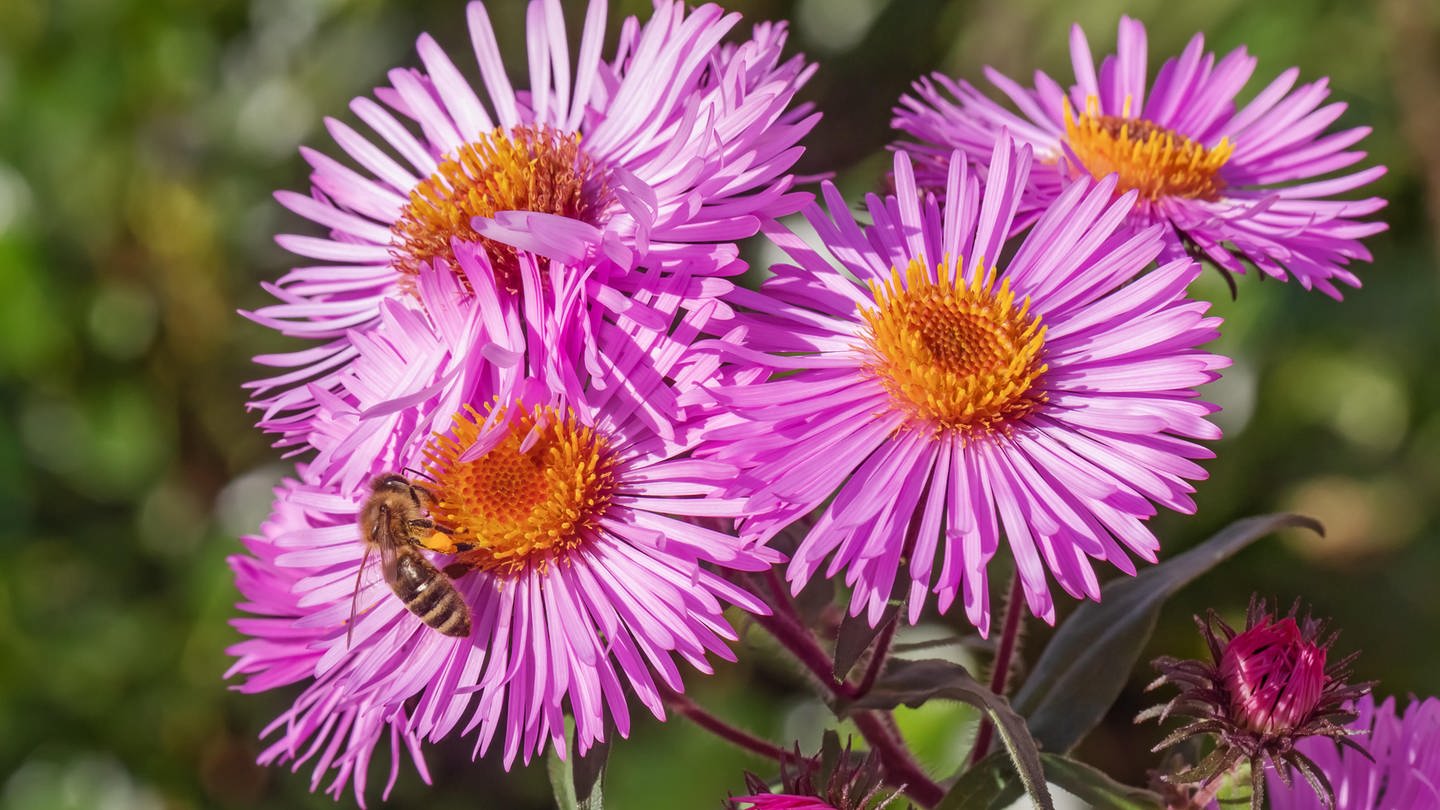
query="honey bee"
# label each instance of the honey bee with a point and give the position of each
(397, 507)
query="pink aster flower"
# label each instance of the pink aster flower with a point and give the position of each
(1393, 762)
(675, 146)
(552, 514)
(1251, 183)
(930, 393)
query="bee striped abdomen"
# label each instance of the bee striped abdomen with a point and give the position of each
(430, 595)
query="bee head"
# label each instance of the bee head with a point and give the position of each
(390, 482)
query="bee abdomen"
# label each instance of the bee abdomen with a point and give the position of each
(431, 596)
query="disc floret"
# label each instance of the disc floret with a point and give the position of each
(959, 356)
(538, 493)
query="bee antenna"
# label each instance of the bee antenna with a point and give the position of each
(421, 474)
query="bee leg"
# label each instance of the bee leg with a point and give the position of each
(464, 546)
(457, 570)
(422, 495)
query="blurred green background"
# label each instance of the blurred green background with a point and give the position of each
(139, 143)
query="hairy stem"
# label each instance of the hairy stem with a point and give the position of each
(740, 738)
(901, 769)
(1211, 789)
(801, 644)
(788, 627)
(1004, 654)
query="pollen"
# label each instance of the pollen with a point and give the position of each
(534, 496)
(533, 168)
(962, 358)
(1156, 161)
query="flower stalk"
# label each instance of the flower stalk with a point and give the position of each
(1000, 668)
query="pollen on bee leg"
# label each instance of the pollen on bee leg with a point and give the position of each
(439, 541)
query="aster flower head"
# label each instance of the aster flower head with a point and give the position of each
(1394, 763)
(1265, 689)
(1252, 182)
(673, 147)
(930, 386)
(558, 508)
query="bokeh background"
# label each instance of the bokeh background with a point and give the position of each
(139, 143)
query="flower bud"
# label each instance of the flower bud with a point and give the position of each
(832, 779)
(1264, 690)
(1274, 677)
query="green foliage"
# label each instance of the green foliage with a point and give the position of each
(992, 784)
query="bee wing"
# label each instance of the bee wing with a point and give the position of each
(389, 546)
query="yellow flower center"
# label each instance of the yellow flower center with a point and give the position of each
(534, 168)
(1150, 158)
(537, 494)
(957, 357)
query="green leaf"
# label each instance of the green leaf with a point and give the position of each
(1088, 661)
(912, 683)
(562, 781)
(1096, 788)
(992, 785)
(988, 783)
(855, 637)
(576, 781)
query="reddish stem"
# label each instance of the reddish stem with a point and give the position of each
(1000, 672)
(901, 769)
(738, 737)
(798, 641)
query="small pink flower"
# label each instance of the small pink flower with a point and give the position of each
(574, 536)
(939, 391)
(780, 801)
(1274, 676)
(824, 781)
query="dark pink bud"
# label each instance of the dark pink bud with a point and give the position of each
(1263, 690)
(1275, 677)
